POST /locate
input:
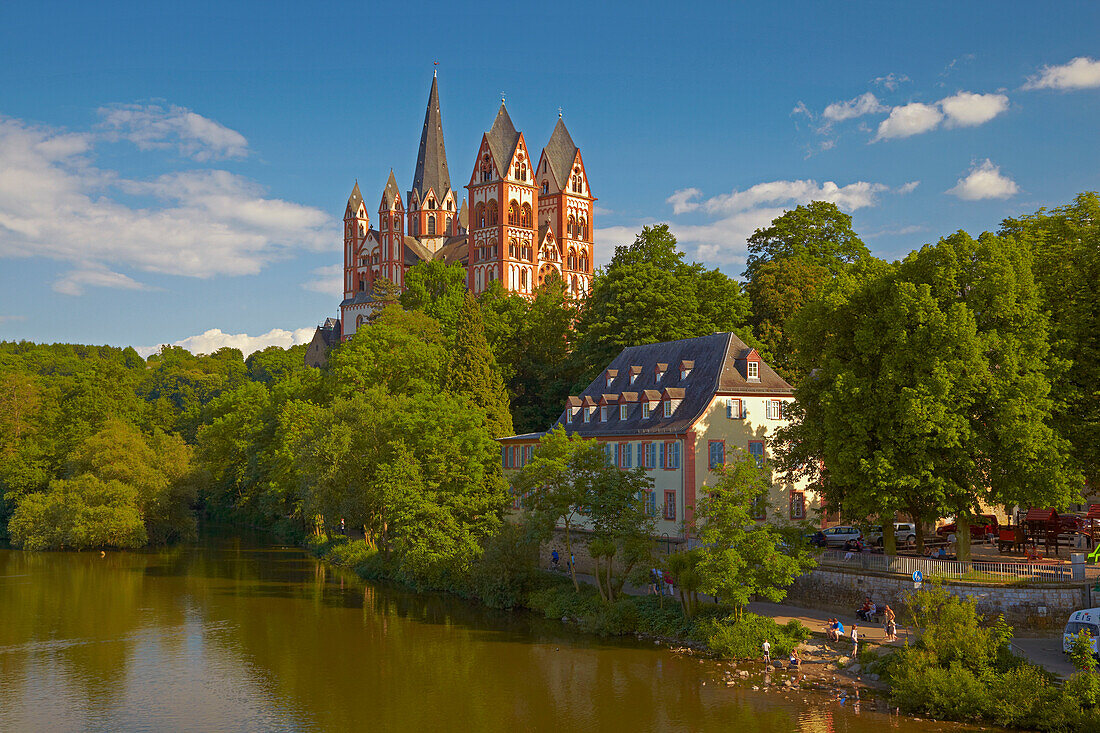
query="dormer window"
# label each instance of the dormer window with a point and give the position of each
(752, 369)
(685, 368)
(610, 375)
(633, 378)
(645, 410)
(623, 412)
(668, 408)
(659, 371)
(603, 413)
(587, 415)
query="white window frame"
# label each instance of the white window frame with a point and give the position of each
(587, 416)
(646, 409)
(668, 408)
(603, 413)
(775, 409)
(752, 369)
(735, 408)
(624, 412)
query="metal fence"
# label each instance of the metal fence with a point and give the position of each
(990, 572)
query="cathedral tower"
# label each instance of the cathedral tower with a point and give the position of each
(356, 227)
(432, 204)
(565, 209)
(391, 234)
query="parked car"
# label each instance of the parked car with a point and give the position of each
(983, 528)
(838, 536)
(817, 539)
(905, 534)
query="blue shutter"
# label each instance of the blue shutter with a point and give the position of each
(504, 456)
(720, 449)
(663, 464)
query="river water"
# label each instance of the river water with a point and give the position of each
(234, 633)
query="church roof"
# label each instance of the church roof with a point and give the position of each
(502, 138)
(464, 215)
(431, 160)
(355, 199)
(560, 152)
(455, 250)
(391, 193)
(415, 251)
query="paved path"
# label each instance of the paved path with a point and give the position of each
(1046, 651)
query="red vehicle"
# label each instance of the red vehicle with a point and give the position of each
(983, 528)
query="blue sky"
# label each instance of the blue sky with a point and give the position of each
(175, 174)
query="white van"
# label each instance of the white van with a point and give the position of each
(1085, 620)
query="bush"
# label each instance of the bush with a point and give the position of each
(953, 692)
(505, 572)
(744, 638)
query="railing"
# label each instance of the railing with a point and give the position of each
(990, 572)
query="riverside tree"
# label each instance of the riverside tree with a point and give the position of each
(741, 557)
(928, 389)
(472, 370)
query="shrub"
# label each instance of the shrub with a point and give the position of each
(744, 639)
(504, 573)
(953, 692)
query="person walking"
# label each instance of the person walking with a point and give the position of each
(891, 624)
(855, 641)
(767, 652)
(555, 558)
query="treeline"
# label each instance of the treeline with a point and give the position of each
(964, 374)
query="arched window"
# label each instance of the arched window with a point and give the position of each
(573, 289)
(513, 213)
(523, 278)
(494, 214)
(486, 169)
(362, 229)
(545, 187)
(415, 226)
(431, 225)
(583, 224)
(479, 216)
(525, 216)
(450, 205)
(512, 249)
(450, 225)
(572, 259)
(570, 226)
(431, 203)
(584, 263)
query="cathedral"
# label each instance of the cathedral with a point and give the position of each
(519, 221)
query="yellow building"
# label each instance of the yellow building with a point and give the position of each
(678, 409)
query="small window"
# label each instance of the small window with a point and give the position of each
(633, 378)
(645, 409)
(587, 415)
(717, 453)
(623, 412)
(753, 369)
(760, 507)
(651, 503)
(735, 408)
(672, 451)
(670, 506)
(658, 375)
(651, 455)
(603, 413)
(774, 409)
(798, 505)
(626, 455)
(756, 449)
(684, 374)
(668, 408)
(610, 379)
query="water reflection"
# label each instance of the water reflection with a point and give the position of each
(234, 633)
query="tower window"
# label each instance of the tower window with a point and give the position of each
(431, 225)
(545, 187)
(513, 213)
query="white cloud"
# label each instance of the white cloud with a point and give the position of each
(738, 214)
(153, 127)
(74, 281)
(910, 119)
(328, 280)
(682, 200)
(967, 109)
(907, 187)
(984, 182)
(1080, 73)
(210, 341)
(54, 203)
(865, 104)
(12, 319)
(891, 81)
(608, 238)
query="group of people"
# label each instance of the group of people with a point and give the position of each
(555, 559)
(795, 660)
(835, 631)
(660, 582)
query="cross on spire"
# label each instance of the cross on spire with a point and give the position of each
(559, 113)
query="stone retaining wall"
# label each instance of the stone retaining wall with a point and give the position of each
(842, 590)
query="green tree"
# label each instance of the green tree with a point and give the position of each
(788, 262)
(622, 527)
(740, 556)
(649, 294)
(1065, 245)
(79, 513)
(437, 289)
(472, 370)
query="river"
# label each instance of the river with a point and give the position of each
(236, 633)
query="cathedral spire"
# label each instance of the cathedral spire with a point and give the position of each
(354, 200)
(431, 160)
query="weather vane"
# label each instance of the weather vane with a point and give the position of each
(559, 112)
(435, 71)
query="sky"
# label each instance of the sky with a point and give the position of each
(176, 173)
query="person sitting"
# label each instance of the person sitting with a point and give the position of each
(830, 630)
(795, 661)
(839, 628)
(942, 553)
(864, 611)
(872, 611)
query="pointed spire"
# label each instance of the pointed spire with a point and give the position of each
(391, 193)
(502, 137)
(431, 160)
(355, 199)
(560, 151)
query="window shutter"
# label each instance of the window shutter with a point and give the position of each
(663, 464)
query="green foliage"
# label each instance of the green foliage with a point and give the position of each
(744, 637)
(78, 513)
(648, 294)
(508, 567)
(472, 370)
(740, 556)
(1080, 653)
(437, 289)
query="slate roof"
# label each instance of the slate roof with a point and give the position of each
(415, 251)
(431, 160)
(391, 193)
(503, 138)
(330, 331)
(355, 199)
(718, 366)
(560, 152)
(454, 250)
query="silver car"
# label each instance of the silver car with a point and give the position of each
(837, 536)
(905, 534)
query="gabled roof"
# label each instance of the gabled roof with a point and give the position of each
(502, 138)
(560, 152)
(391, 193)
(415, 251)
(454, 250)
(716, 368)
(464, 215)
(431, 160)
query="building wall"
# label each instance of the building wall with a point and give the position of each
(737, 433)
